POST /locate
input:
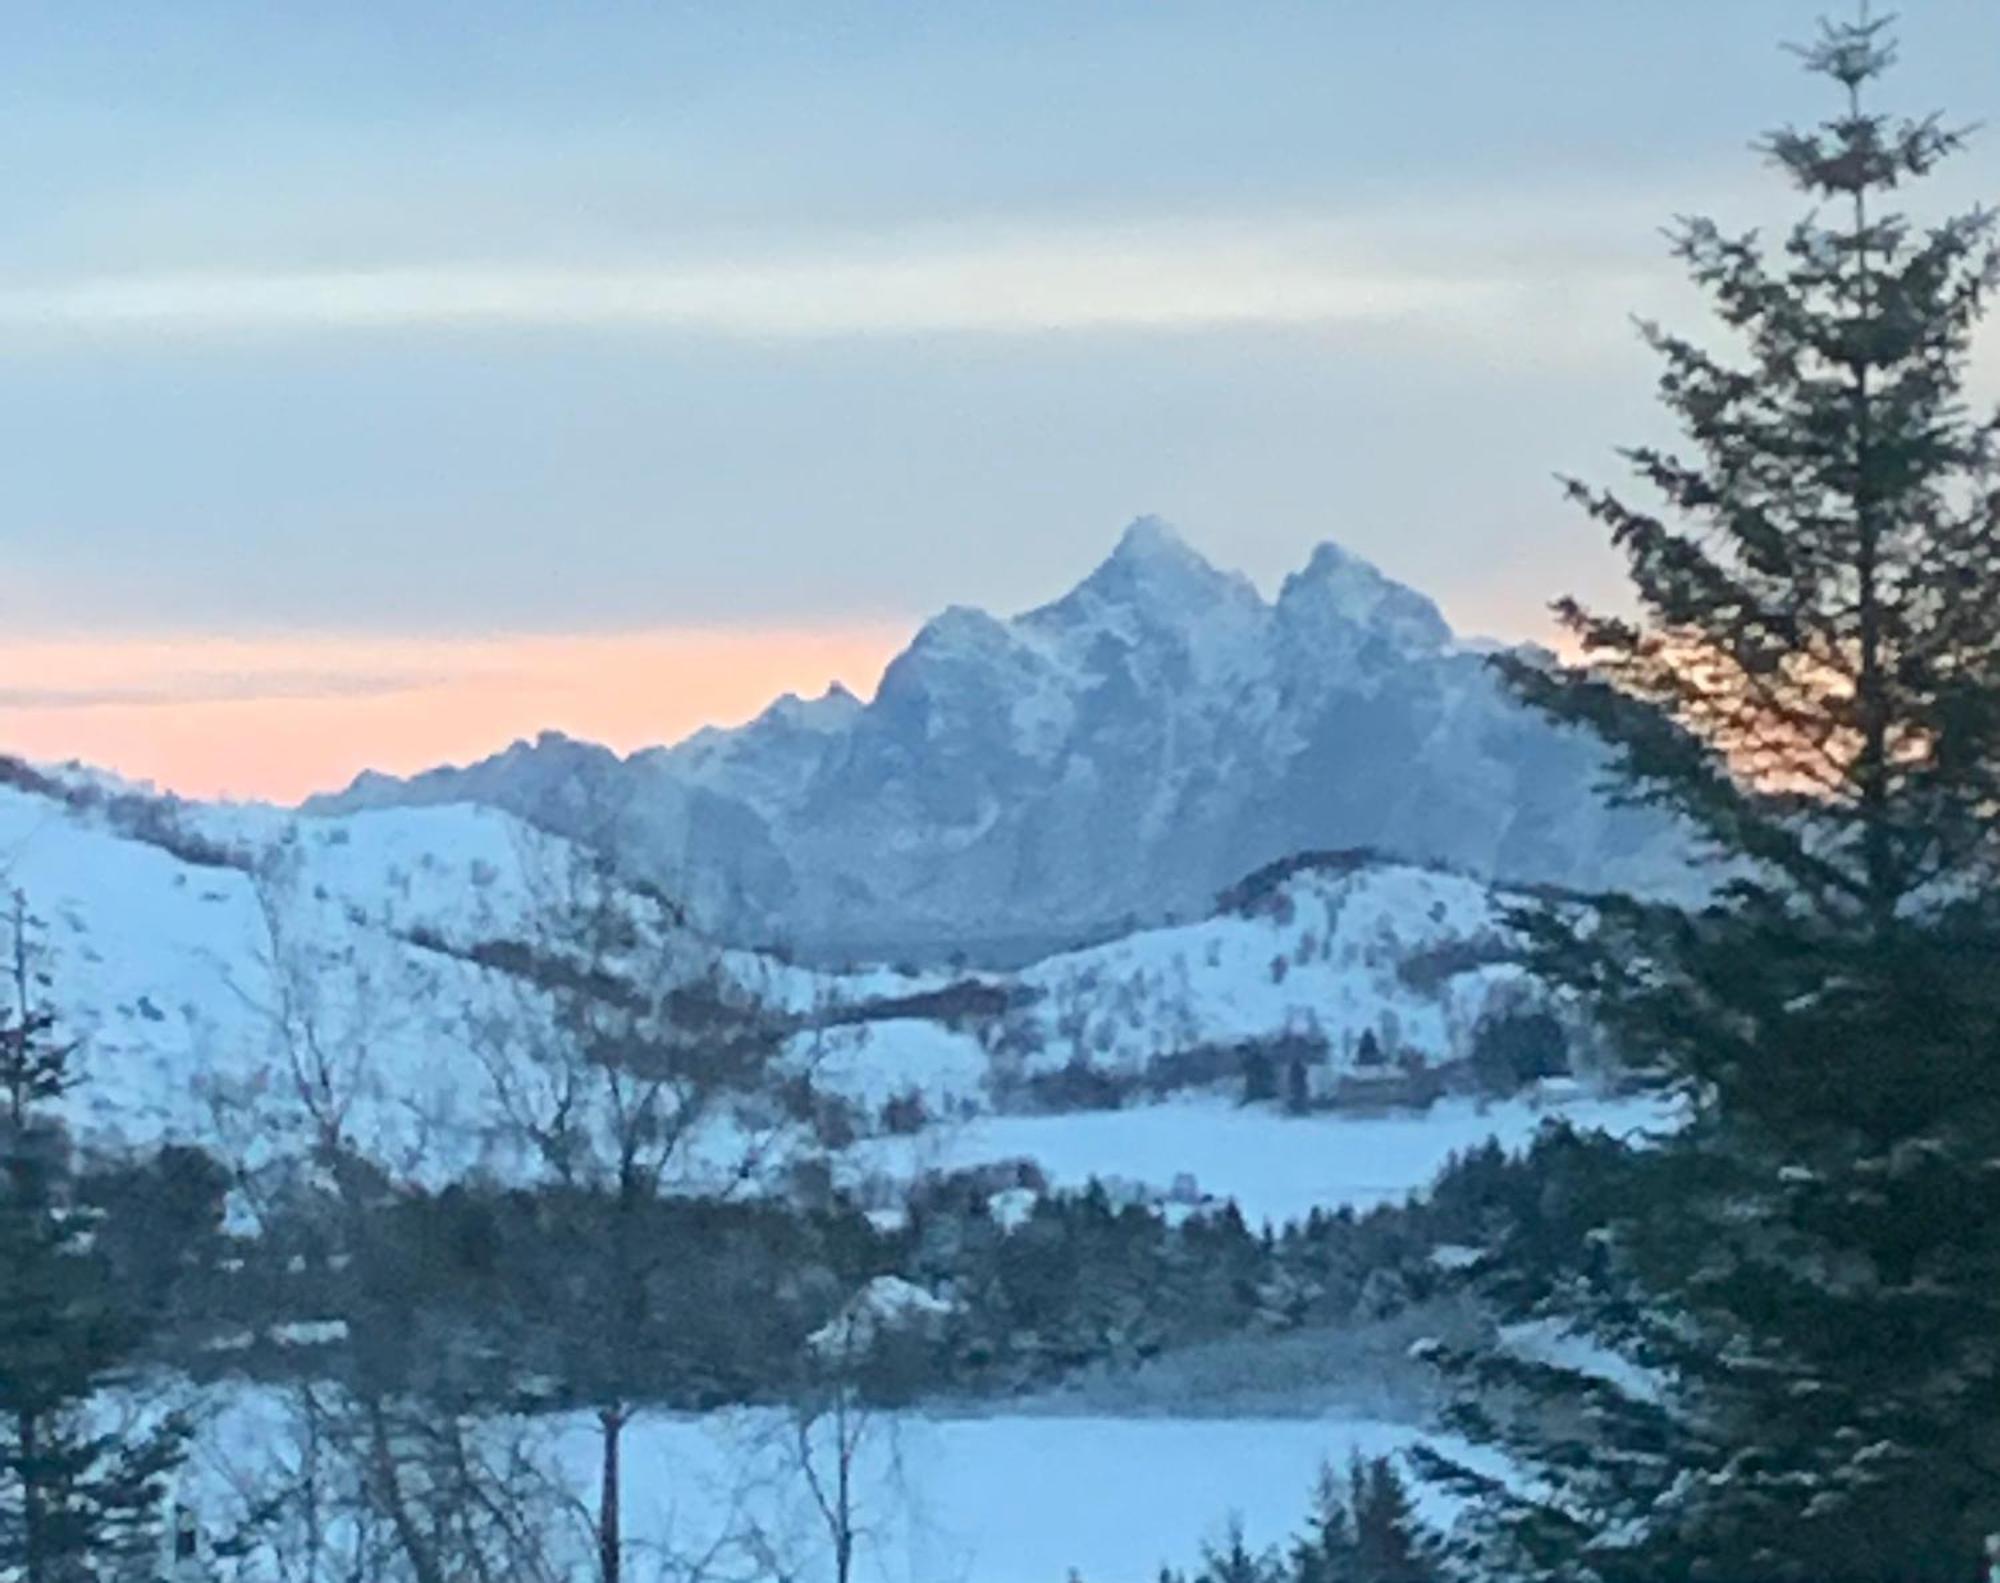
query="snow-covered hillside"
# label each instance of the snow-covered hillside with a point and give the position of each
(237, 975)
(1113, 758)
(1416, 956)
(240, 977)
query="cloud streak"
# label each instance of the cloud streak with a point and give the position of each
(282, 717)
(219, 687)
(1112, 278)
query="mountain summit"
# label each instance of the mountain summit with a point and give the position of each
(1119, 755)
(1153, 565)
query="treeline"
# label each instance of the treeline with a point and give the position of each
(490, 1291)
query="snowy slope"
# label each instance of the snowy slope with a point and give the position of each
(1325, 957)
(1321, 958)
(244, 1003)
(273, 969)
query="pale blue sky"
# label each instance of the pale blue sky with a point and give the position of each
(440, 316)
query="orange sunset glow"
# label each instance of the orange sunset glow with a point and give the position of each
(280, 718)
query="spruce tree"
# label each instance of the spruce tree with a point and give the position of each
(79, 1494)
(1388, 1547)
(1325, 1553)
(1363, 1530)
(1789, 1310)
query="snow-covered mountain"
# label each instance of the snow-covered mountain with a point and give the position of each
(1112, 759)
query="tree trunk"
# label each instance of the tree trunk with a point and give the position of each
(610, 1538)
(843, 1538)
(1872, 686)
(416, 1549)
(845, 1445)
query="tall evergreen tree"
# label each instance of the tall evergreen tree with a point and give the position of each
(1791, 1308)
(80, 1494)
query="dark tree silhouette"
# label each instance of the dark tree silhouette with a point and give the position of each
(80, 1492)
(1782, 1363)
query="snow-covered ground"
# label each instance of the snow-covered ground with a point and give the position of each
(999, 1499)
(1275, 1167)
(883, 1060)
(1006, 1499)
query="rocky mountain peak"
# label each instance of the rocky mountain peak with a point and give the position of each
(1339, 589)
(1154, 571)
(1151, 540)
(1122, 753)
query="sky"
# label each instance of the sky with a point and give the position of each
(381, 382)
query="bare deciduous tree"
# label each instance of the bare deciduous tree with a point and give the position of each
(627, 1061)
(380, 1464)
